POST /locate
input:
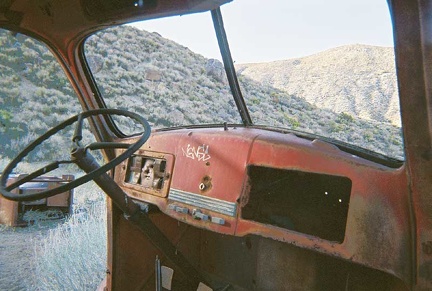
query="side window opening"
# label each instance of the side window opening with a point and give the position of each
(35, 95)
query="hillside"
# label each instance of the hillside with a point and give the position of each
(165, 82)
(356, 79)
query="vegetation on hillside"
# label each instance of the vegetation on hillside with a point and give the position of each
(164, 82)
(185, 93)
(34, 96)
(158, 78)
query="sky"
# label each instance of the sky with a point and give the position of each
(268, 30)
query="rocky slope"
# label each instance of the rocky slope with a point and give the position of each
(356, 79)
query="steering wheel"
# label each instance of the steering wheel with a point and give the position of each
(93, 171)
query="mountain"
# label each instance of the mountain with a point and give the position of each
(359, 80)
(163, 81)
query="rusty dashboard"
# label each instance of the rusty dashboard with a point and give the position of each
(248, 181)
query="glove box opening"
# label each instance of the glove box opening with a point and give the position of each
(309, 203)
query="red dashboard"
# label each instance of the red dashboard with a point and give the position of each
(246, 181)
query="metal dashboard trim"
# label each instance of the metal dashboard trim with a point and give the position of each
(212, 204)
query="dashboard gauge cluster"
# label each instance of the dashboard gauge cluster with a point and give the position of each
(148, 172)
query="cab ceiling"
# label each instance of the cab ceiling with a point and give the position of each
(54, 18)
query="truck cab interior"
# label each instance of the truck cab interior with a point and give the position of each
(218, 179)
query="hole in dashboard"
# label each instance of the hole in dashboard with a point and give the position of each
(148, 172)
(309, 203)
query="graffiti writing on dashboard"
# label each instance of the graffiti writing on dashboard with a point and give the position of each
(200, 153)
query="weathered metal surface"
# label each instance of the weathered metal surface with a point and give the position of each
(62, 199)
(377, 231)
(245, 263)
(413, 37)
(10, 210)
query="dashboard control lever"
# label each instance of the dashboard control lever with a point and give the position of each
(218, 220)
(197, 214)
(179, 209)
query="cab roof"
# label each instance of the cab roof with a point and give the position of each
(64, 20)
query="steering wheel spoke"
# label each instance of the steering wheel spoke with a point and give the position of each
(42, 171)
(107, 145)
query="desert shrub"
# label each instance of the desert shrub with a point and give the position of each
(72, 256)
(345, 118)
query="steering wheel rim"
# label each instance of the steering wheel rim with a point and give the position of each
(130, 149)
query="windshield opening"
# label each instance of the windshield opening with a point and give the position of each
(325, 69)
(141, 71)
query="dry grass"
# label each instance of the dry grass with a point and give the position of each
(68, 254)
